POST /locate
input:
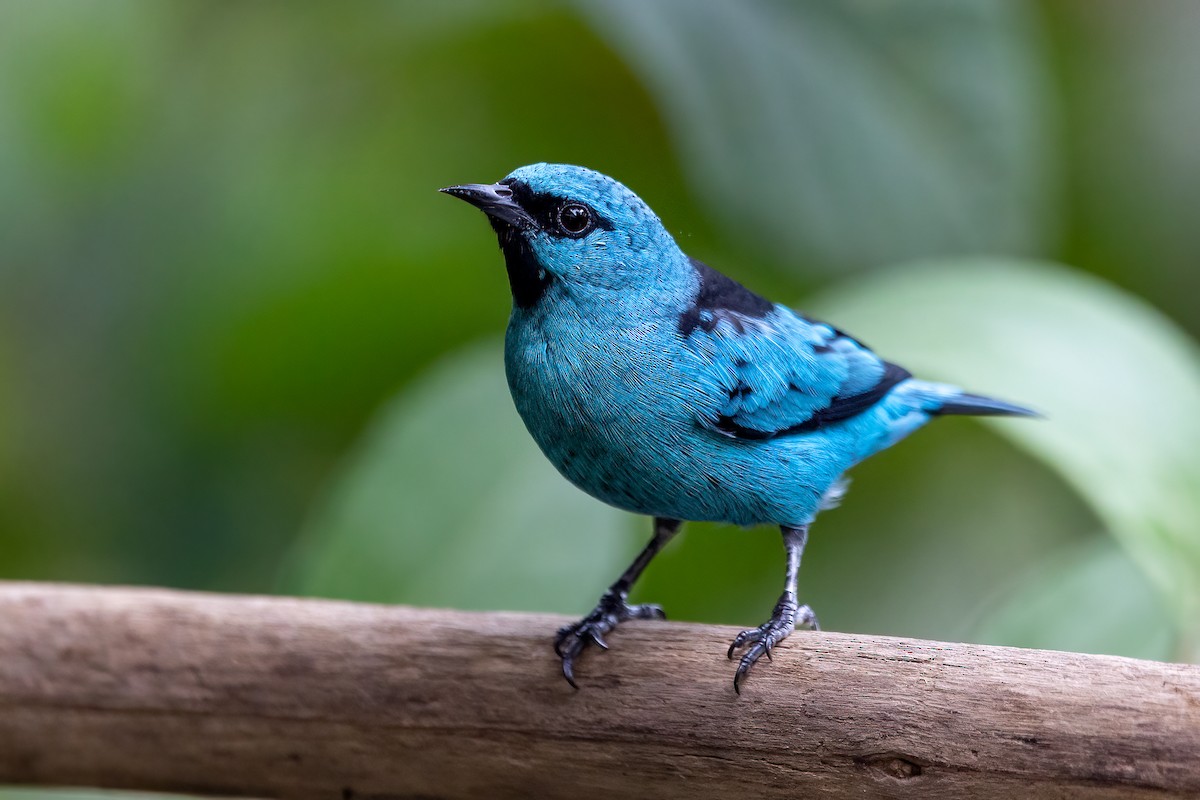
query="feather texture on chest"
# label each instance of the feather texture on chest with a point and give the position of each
(582, 375)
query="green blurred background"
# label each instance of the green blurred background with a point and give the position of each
(246, 346)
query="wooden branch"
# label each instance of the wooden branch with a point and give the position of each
(275, 697)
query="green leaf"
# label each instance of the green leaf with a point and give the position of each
(1091, 599)
(852, 133)
(1118, 382)
(448, 502)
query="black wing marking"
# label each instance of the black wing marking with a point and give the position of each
(815, 374)
(840, 408)
(722, 298)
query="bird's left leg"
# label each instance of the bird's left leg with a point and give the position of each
(787, 615)
(613, 607)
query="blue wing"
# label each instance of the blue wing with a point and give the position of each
(778, 373)
(782, 374)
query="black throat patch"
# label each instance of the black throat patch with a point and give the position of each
(720, 297)
(527, 278)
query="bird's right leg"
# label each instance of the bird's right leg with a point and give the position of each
(613, 607)
(787, 616)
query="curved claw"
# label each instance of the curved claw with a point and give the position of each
(737, 642)
(749, 660)
(737, 680)
(786, 617)
(569, 672)
(646, 611)
(742, 639)
(562, 636)
(612, 610)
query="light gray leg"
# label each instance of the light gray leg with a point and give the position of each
(787, 616)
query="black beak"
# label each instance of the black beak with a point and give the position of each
(495, 200)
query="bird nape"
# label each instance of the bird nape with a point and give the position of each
(658, 385)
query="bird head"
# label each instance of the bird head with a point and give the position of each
(578, 232)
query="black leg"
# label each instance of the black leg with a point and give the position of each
(788, 613)
(613, 607)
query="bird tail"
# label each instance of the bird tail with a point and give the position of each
(977, 405)
(914, 402)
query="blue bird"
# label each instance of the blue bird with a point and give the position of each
(662, 387)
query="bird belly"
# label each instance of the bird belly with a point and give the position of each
(621, 423)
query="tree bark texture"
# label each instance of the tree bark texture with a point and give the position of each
(278, 697)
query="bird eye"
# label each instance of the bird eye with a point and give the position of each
(574, 219)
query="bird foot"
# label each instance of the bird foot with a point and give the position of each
(786, 617)
(608, 613)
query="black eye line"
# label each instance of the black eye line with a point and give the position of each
(544, 207)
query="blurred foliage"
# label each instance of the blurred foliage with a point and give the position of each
(809, 127)
(1118, 382)
(224, 260)
(245, 345)
(1091, 598)
(477, 512)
